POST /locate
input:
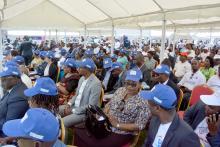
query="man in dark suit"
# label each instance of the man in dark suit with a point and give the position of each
(13, 104)
(161, 75)
(26, 50)
(139, 60)
(166, 128)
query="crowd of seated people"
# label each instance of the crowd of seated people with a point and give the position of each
(45, 87)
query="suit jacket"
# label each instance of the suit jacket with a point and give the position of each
(13, 105)
(26, 49)
(174, 87)
(195, 114)
(53, 72)
(146, 75)
(179, 134)
(90, 95)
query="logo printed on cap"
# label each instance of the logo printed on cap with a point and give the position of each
(167, 72)
(157, 100)
(159, 67)
(106, 62)
(15, 73)
(5, 68)
(35, 135)
(88, 66)
(70, 64)
(24, 118)
(132, 72)
(44, 90)
(83, 60)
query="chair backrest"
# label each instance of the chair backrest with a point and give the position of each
(197, 91)
(58, 74)
(63, 133)
(101, 98)
(179, 100)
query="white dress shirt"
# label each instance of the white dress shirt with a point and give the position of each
(182, 68)
(191, 80)
(26, 80)
(79, 96)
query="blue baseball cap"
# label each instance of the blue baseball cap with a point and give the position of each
(37, 124)
(70, 63)
(18, 59)
(116, 65)
(36, 52)
(43, 53)
(89, 52)
(162, 69)
(107, 63)
(134, 75)
(10, 63)
(114, 56)
(50, 54)
(6, 52)
(44, 86)
(162, 95)
(87, 63)
(63, 52)
(10, 70)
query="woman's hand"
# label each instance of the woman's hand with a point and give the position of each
(113, 121)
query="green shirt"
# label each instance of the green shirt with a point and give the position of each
(208, 73)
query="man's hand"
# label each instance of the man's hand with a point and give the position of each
(113, 121)
(67, 110)
(213, 124)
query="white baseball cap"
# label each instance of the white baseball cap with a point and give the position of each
(211, 100)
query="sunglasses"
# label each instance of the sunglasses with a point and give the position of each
(132, 84)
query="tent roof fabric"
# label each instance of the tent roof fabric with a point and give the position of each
(76, 14)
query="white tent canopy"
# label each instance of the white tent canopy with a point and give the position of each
(76, 14)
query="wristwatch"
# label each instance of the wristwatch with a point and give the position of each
(118, 126)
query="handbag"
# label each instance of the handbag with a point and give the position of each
(97, 123)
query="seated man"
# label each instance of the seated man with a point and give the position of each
(13, 104)
(38, 128)
(204, 119)
(88, 92)
(139, 61)
(182, 67)
(189, 81)
(24, 70)
(162, 73)
(112, 77)
(166, 128)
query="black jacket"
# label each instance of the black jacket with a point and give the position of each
(179, 134)
(146, 75)
(26, 49)
(13, 105)
(174, 87)
(195, 114)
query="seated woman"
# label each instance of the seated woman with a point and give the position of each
(69, 82)
(51, 69)
(127, 112)
(208, 71)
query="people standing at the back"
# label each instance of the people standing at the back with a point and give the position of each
(26, 50)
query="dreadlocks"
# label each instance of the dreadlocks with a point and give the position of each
(47, 101)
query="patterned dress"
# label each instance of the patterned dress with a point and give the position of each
(132, 110)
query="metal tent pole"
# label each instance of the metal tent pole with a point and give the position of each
(85, 36)
(162, 50)
(113, 39)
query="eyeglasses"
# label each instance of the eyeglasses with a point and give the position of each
(132, 84)
(121, 105)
